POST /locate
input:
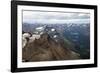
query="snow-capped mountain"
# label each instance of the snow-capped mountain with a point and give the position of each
(77, 33)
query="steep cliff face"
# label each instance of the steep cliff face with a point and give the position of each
(47, 49)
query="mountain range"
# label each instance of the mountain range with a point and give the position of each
(73, 36)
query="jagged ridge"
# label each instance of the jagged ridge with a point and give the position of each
(47, 49)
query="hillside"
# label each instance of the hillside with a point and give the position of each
(47, 49)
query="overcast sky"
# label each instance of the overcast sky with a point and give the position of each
(54, 17)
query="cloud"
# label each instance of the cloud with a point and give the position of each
(54, 17)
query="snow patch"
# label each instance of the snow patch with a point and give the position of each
(52, 29)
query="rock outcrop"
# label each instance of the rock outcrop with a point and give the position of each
(47, 49)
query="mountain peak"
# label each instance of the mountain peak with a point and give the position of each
(46, 49)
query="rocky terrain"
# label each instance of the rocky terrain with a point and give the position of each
(47, 48)
(76, 36)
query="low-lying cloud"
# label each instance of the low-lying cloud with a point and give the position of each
(55, 17)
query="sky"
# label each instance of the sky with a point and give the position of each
(55, 17)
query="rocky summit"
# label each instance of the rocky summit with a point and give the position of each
(49, 47)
